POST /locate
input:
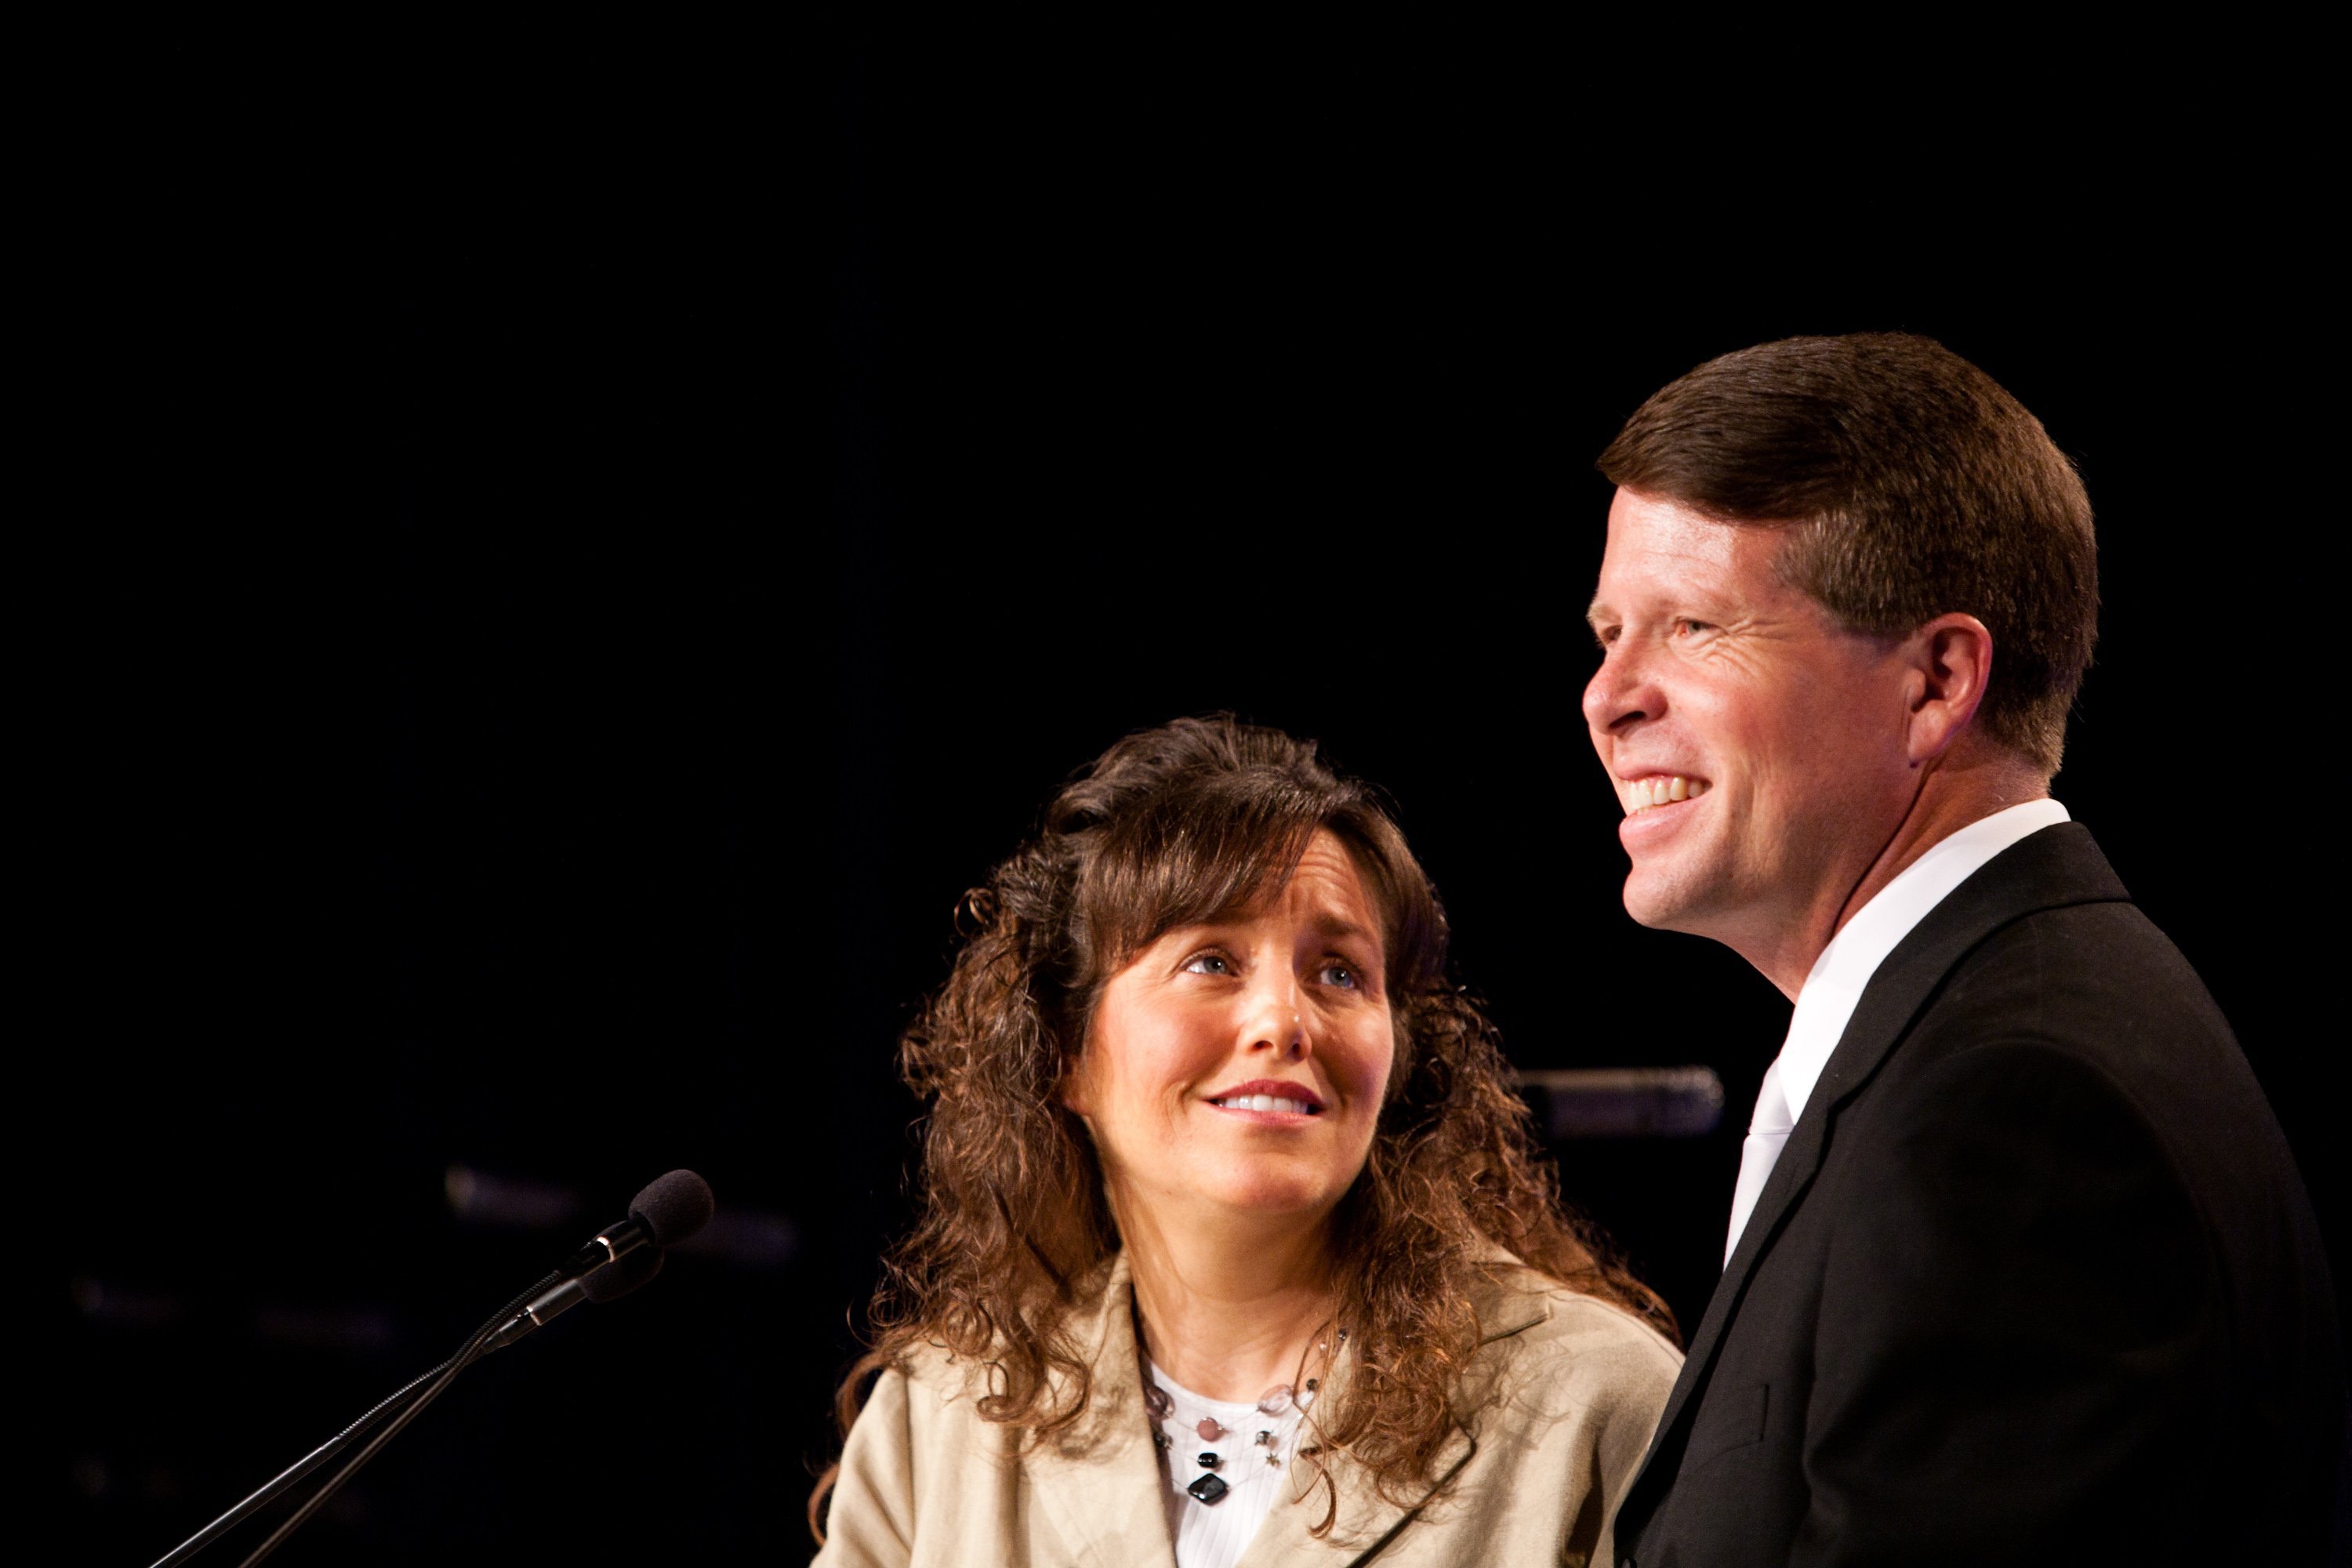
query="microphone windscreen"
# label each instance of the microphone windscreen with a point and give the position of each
(633, 1269)
(674, 1206)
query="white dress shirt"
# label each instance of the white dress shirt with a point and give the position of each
(1827, 999)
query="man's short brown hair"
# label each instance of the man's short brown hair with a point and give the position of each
(1913, 487)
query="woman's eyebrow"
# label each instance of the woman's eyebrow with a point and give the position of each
(1338, 927)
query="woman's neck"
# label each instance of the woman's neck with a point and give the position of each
(1229, 1309)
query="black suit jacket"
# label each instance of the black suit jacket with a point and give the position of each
(2034, 1278)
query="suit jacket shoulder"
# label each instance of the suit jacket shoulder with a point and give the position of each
(2035, 1273)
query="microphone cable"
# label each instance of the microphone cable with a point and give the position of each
(621, 1258)
(448, 1371)
(272, 1489)
(277, 1486)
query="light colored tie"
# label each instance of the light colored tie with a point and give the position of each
(1767, 1131)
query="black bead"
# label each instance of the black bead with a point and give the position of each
(1208, 1488)
(1209, 1461)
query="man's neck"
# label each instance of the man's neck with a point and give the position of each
(1956, 792)
(1228, 1305)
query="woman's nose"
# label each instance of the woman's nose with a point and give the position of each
(1278, 1023)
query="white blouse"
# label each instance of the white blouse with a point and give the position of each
(1252, 1449)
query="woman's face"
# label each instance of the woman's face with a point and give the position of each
(1241, 1064)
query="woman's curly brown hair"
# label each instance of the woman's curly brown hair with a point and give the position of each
(1171, 828)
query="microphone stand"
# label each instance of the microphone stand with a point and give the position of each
(437, 1379)
(285, 1479)
(669, 1209)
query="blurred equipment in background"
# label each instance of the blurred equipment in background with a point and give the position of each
(1625, 1103)
(622, 1257)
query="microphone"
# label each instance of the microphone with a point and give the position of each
(670, 1209)
(605, 1284)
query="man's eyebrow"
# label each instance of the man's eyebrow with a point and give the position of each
(1595, 614)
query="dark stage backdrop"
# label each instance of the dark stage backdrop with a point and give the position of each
(540, 742)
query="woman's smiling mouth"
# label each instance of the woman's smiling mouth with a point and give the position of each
(1269, 1097)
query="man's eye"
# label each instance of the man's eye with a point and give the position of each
(1686, 627)
(1209, 963)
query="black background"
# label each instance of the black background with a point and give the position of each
(535, 678)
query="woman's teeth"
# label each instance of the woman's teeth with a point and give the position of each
(1263, 1102)
(1661, 789)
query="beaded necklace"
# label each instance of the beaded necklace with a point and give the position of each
(1281, 1410)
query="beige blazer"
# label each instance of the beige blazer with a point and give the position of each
(1554, 1412)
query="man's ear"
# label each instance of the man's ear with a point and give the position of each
(1951, 659)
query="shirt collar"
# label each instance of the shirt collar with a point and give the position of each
(1828, 997)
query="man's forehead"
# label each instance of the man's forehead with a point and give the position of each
(1655, 528)
(1630, 582)
(1661, 547)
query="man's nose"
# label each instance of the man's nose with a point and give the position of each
(1620, 691)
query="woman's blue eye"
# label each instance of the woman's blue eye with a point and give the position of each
(1342, 975)
(1202, 965)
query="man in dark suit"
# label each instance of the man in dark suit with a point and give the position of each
(2019, 1267)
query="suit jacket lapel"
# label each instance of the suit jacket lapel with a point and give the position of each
(2049, 870)
(1099, 1481)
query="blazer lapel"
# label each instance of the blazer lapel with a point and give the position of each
(1365, 1522)
(2054, 868)
(1100, 1482)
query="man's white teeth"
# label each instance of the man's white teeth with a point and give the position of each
(1262, 1102)
(1661, 789)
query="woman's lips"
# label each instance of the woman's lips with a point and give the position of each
(1268, 1098)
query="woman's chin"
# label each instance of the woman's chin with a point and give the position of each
(1184, 1195)
(1271, 1198)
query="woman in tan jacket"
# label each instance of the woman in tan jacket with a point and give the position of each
(1234, 1248)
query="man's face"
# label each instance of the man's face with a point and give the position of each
(1757, 748)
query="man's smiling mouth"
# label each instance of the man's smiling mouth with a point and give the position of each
(1661, 789)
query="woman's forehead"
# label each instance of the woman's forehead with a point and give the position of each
(1328, 885)
(1323, 887)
